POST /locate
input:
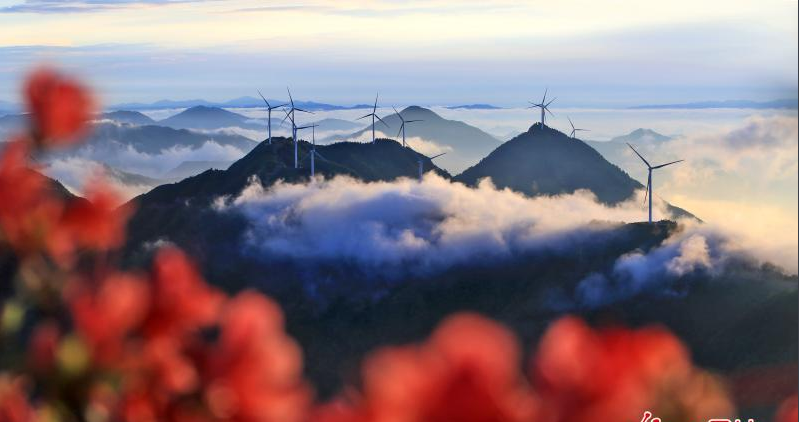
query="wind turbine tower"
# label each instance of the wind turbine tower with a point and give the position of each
(649, 178)
(313, 152)
(374, 116)
(402, 126)
(544, 106)
(574, 129)
(269, 109)
(290, 115)
(421, 164)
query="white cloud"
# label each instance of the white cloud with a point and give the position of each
(421, 226)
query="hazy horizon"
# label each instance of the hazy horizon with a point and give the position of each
(442, 52)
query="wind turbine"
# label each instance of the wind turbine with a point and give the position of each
(649, 178)
(374, 116)
(402, 126)
(574, 129)
(290, 116)
(269, 109)
(421, 163)
(313, 152)
(544, 106)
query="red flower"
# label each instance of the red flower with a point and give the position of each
(617, 374)
(14, 405)
(94, 223)
(255, 371)
(43, 345)
(182, 302)
(60, 107)
(788, 410)
(27, 214)
(107, 313)
(468, 371)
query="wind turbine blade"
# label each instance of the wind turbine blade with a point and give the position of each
(381, 121)
(436, 156)
(290, 98)
(398, 113)
(412, 121)
(363, 117)
(374, 109)
(545, 95)
(400, 129)
(304, 111)
(639, 155)
(667, 164)
(550, 113)
(550, 101)
(262, 97)
(646, 192)
(570, 122)
(277, 106)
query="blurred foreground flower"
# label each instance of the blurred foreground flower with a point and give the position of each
(60, 107)
(617, 374)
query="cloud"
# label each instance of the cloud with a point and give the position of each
(75, 172)
(405, 226)
(695, 250)
(127, 158)
(84, 6)
(419, 144)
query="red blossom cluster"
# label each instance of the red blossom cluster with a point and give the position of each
(81, 340)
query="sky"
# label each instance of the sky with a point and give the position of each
(589, 54)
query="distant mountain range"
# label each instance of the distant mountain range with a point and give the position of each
(147, 149)
(463, 144)
(641, 135)
(474, 107)
(193, 168)
(241, 102)
(129, 117)
(617, 152)
(781, 103)
(209, 118)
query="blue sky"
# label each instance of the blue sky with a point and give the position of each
(589, 53)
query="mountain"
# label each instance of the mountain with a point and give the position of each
(475, 107)
(641, 135)
(616, 150)
(548, 162)
(384, 160)
(193, 168)
(152, 139)
(463, 144)
(152, 150)
(241, 102)
(162, 104)
(544, 161)
(182, 212)
(129, 117)
(784, 103)
(210, 118)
